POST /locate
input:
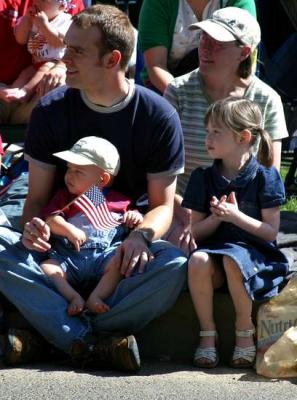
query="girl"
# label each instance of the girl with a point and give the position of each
(235, 221)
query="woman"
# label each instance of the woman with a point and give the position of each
(165, 39)
(225, 48)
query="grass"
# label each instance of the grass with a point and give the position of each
(291, 204)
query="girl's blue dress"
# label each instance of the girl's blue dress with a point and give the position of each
(262, 264)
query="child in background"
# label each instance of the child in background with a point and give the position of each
(42, 28)
(87, 217)
(235, 222)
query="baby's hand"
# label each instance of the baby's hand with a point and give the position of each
(40, 19)
(13, 94)
(132, 218)
(31, 12)
(77, 237)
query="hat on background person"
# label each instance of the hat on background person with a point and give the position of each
(93, 150)
(231, 23)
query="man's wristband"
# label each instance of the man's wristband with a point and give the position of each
(144, 234)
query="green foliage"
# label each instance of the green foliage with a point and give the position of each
(291, 204)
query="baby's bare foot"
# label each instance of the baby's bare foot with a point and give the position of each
(96, 305)
(76, 305)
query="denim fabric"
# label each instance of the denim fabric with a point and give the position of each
(83, 267)
(262, 265)
(97, 238)
(136, 301)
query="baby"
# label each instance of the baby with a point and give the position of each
(87, 218)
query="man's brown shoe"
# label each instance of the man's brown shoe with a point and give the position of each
(115, 352)
(22, 346)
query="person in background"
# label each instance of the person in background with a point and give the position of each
(42, 29)
(15, 58)
(235, 220)
(225, 49)
(169, 47)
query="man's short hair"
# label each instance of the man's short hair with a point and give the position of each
(115, 29)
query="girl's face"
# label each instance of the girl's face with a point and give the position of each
(79, 178)
(221, 143)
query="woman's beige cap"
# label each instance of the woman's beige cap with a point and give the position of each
(231, 23)
(93, 150)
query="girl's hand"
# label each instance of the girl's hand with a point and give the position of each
(132, 218)
(214, 203)
(77, 237)
(226, 209)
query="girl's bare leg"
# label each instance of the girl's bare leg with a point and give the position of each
(241, 301)
(53, 270)
(104, 289)
(204, 275)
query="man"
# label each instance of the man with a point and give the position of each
(147, 133)
(15, 57)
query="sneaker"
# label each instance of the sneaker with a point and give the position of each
(115, 352)
(22, 346)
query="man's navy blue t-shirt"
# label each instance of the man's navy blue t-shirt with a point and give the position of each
(145, 129)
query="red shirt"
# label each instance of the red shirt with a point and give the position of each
(13, 56)
(116, 202)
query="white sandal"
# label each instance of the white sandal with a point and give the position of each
(245, 354)
(209, 353)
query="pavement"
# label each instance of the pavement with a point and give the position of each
(157, 380)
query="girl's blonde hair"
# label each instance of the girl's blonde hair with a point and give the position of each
(239, 114)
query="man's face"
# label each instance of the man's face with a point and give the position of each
(84, 67)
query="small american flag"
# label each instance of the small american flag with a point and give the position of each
(94, 206)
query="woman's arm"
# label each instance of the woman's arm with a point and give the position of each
(156, 25)
(156, 64)
(277, 152)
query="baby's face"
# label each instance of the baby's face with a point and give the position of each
(50, 7)
(79, 178)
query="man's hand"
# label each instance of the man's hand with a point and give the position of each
(76, 236)
(36, 235)
(181, 236)
(53, 78)
(132, 253)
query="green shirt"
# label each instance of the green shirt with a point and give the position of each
(157, 20)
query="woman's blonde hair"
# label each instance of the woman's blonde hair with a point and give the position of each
(239, 114)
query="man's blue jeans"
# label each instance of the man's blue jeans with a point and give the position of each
(136, 301)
